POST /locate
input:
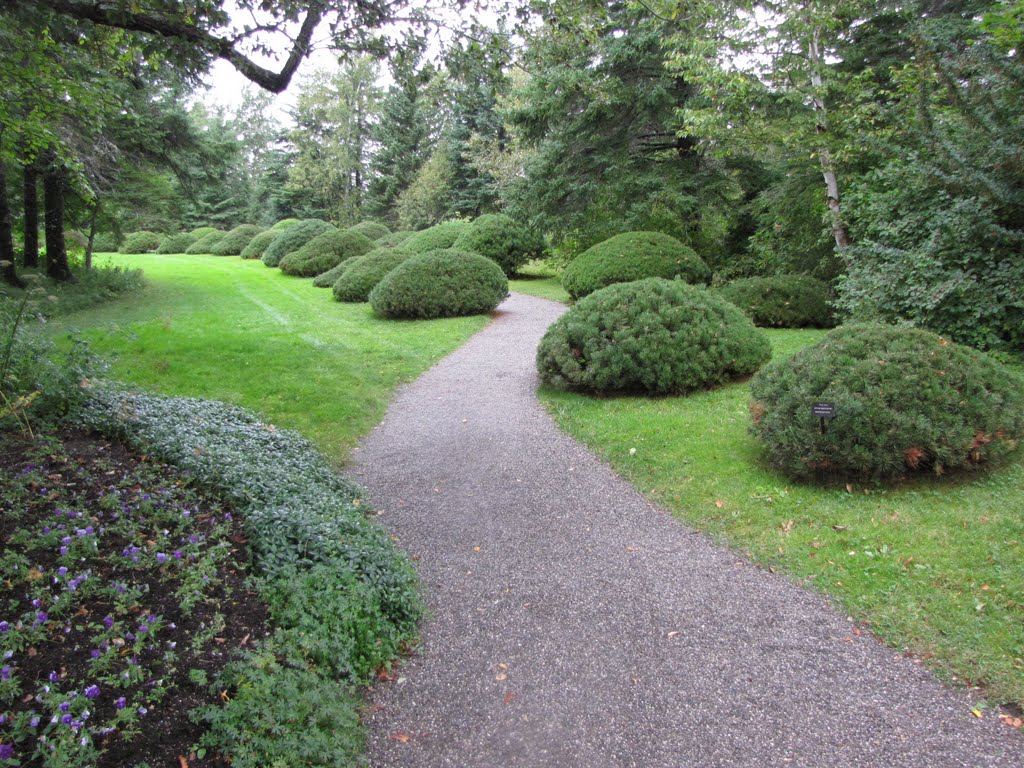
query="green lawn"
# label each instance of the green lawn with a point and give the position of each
(934, 567)
(539, 279)
(234, 330)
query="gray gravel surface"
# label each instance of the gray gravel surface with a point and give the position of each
(574, 624)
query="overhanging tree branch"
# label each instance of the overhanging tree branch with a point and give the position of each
(104, 14)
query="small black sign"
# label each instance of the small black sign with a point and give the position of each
(824, 410)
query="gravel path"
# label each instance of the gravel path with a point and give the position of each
(574, 624)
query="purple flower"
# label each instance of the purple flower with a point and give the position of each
(108, 622)
(177, 554)
(63, 550)
(67, 719)
(34, 722)
(5, 673)
(6, 751)
(54, 677)
(161, 557)
(65, 706)
(92, 692)
(143, 711)
(95, 653)
(41, 617)
(3, 719)
(121, 703)
(66, 540)
(62, 571)
(37, 603)
(4, 626)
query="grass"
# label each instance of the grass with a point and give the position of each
(935, 568)
(236, 331)
(538, 278)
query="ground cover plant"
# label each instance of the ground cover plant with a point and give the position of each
(177, 243)
(633, 256)
(200, 325)
(121, 586)
(442, 283)
(371, 229)
(434, 238)
(205, 243)
(325, 251)
(362, 274)
(906, 400)
(292, 238)
(236, 240)
(782, 301)
(653, 336)
(91, 287)
(931, 567)
(502, 240)
(141, 242)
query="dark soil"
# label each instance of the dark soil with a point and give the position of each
(79, 472)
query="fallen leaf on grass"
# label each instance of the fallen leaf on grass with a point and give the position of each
(788, 526)
(719, 503)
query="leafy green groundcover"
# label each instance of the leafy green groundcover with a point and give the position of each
(342, 598)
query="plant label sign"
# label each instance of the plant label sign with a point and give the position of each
(824, 410)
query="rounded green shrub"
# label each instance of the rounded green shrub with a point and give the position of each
(292, 238)
(205, 243)
(633, 256)
(437, 237)
(141, 242)
(285, 224)
(372, 229)
(235, 241)
(395, 238)
(501, 240)
(106, 242)
(177, 243)
(324, 252)
(784, 301)
(330, 277)
(362, 275)
(653, 336)
(259, 243)
(441, 283)
(203, 231)
(906, 400)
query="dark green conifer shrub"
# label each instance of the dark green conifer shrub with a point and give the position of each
(292, 238)
(437, 237)
(783, 301)
(653, 336)
(502, 240)
(906, 400)
(394, 239)
(441, 283)
(177, 243)
(633, 256)
(330, 277)
(372, 229)
(256, 246)
(235, 241)
(285, 224)
(141, 242)
(203, 231)
(206, 242)
(361, 275)
(106, 242)
(325, 251)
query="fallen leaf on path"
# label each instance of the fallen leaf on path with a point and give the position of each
(503, 666)
(402, 737)
(976, 712)
(501, 676)
(1010, 720)
(508, 698)
(673, 633)
(182, 761)
(476, 549)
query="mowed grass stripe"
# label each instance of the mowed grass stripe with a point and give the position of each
(234, 330)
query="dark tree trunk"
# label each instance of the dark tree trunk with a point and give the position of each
(92, 234)
(31, 257)
(57, 265)
(8, 272)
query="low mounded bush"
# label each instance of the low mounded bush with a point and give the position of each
(106, 242)
(235, 241)
(442, 283)
(653, 336)
(177, 243)
(330, 277)
(501, 240)
(906, 401)
(203, 231)
(784, 301)
(633, 256)
(372, 229)
(394, 239)
(205, 243)
(259, 243)
(325, 251)
(292, 238)
(141, 242)
(285, 224)
(437, 237)
(362, 275)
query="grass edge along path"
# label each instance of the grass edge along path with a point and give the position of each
(935, 567)
(235, 331)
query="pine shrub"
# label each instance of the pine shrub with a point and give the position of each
(784, 301)
(372, 229)
(234, 242)
(361, 275)
(205, 243)
(292, 238)
(906, 400)
(106, 242)
(653, 336)
(177, 243)
(325, 251)
(285, 224)
(256, 246)
(203, 231)
(437, 237)
(502, 240)
(141, 242)
(330, 277)
(441, 283)
(395, 239)
(633, 256)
